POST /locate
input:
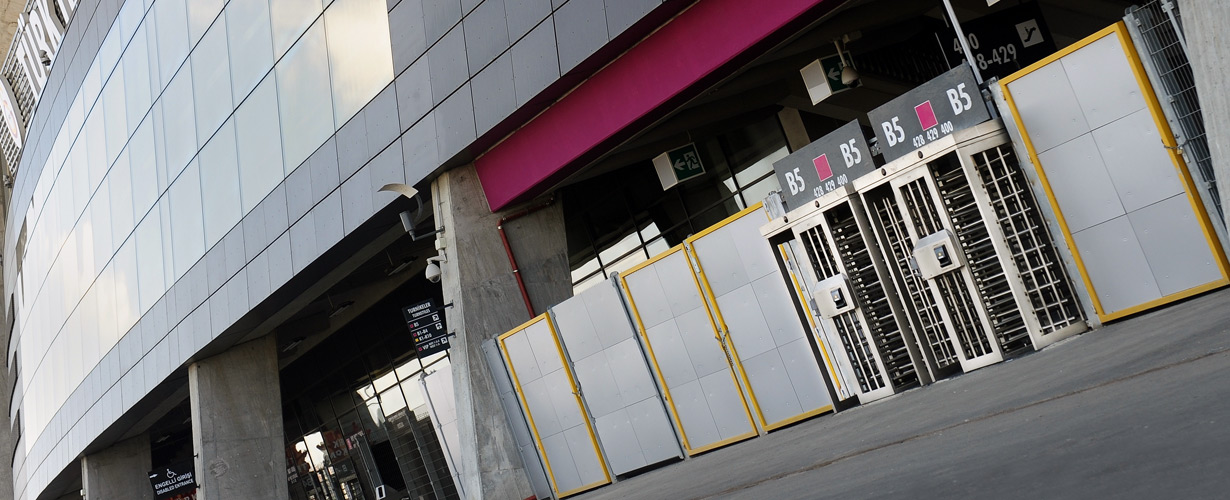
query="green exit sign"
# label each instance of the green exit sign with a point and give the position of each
(678, 165)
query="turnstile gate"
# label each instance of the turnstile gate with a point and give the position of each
(851, 292)
(937, 262)
(969, 245)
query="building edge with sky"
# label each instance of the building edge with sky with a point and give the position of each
(201, 267)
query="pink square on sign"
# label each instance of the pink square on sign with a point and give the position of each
(822, 167)
(926, 115)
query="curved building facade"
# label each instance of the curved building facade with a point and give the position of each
(205, 263)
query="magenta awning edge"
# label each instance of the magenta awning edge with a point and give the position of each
(690, 47)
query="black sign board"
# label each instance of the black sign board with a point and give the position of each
(1004, 42)
(175, 479)
(426, 323)
(948, 103)
(822, 166)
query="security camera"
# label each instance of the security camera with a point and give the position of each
(432, 273)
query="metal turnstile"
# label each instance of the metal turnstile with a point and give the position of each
(850, 291)
(965, 241)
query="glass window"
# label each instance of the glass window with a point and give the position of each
(115, 117)
(171, 21)
(289, 20)
(126, 298)
(360, 54)
(178, 123)
(144, 169)
(187, 225)
(200, 14)
(95, 148)
(119, 181)
(108, 327)
(211, 81)
(150, 279)
(260, 153)
(136, 78)
(303, 77)
(220, 184)
(247, 28)
(100, 227)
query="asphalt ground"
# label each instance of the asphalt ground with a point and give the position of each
(1136, 409)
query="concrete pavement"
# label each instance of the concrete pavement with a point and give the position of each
(1137, 409)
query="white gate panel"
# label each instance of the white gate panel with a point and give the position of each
(553, 407)
(681, 339)
(613, 375)
(740, 272)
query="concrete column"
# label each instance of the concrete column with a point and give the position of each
(118, 472)
(237, 423)
(479, 282)
(1204, 26)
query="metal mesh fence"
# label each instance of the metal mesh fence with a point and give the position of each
(1158, 27)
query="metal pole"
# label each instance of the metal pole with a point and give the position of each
(956, 26)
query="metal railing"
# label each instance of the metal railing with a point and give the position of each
(1157, 30)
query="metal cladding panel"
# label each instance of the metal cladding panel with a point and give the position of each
(619, 441)
(703, 349)
(737, 242)
(607, 312)
(589, 464)
(597, 381)
(651, 298)
(695, 414)
(1140, 170)
(1047, 105)
(517, 348)
(635, 384)
(679, 284)
(543, 345)
(560, 424)
(1103, 82)
(1170, 236)
(686, 351)
(776, 304)
(1127, 137)
(724, 267)
(1117, 264)
(774, 391)
(673, 360)
(563, 467)
(749, 331)
(801, 365)
(576, 328)
(1081, 184)
(653, 431)
(726, 404)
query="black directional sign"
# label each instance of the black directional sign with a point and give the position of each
(822, 166)
(948, 103)
(426, 323)
(174, 479)
(1004, 42)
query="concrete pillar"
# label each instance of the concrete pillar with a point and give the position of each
(118, 472)
(478, 281)
(1204, 26)
(237, 423)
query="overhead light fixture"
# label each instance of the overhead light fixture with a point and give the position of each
(396, 267)
(340, 308)
(293, 344)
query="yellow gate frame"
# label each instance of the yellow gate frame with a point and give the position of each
(690, 243)
(1119, 29)
(653, 358)
(575, 392)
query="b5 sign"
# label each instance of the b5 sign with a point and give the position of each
(935, 109)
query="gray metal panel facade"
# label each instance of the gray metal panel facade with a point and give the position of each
(443, 93)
